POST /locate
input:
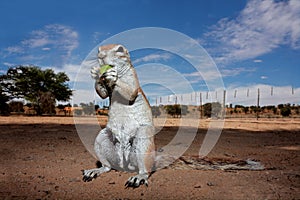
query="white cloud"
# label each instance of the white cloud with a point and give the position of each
(211, 74)
(263, 77)
(152, 57)
(78, 74)
(59, 38)
(258, 29)
(83, 96)
(9, 64)
(236, 71)
(36, 42)
(14, 50)
(46, 49)
(257, 61)
(70, 69)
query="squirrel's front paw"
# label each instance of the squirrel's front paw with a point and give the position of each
(95, 72)
(110, 76)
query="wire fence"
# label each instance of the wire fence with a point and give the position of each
(261, 96)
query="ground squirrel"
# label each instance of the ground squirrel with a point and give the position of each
(127, 142)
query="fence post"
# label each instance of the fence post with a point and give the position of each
(257, 111)
(224, 101)
(200, 99)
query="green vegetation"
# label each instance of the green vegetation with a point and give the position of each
(176, 110)
(40, 87)
(285, 111)
(212, 109)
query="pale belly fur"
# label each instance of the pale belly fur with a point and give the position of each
(125, 122)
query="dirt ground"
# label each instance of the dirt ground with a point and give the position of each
(42, 158)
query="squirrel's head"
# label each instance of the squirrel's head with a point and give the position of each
(114, 55)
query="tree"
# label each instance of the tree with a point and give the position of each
(4, 95)
(212, 109)
(41, 87)
(274, 110)
(207, 110)
(280, 106)
(255, 109)
(4, 109)
(285, 111)
(175, 110)
(246, 109)
(47, 102)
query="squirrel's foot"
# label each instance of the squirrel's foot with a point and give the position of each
(90, 174)
(136, 181)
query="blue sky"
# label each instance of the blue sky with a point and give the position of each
(253, 43)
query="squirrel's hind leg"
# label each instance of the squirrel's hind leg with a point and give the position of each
(104, 149)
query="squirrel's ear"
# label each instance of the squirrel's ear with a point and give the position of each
(120, 49)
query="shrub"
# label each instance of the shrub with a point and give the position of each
(285, 111)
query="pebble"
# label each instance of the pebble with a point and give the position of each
(197, 186)
(210, 184)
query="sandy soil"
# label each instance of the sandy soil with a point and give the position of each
(41, 158)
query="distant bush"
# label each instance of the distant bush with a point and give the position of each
(285, 111)
(173, 110)
(176, 110)
(212, 109)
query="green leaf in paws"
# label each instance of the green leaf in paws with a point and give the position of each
(104, 68)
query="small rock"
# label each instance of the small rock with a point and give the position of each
(197, 186)
(46, 192)
(41, 177)
(210, 184)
